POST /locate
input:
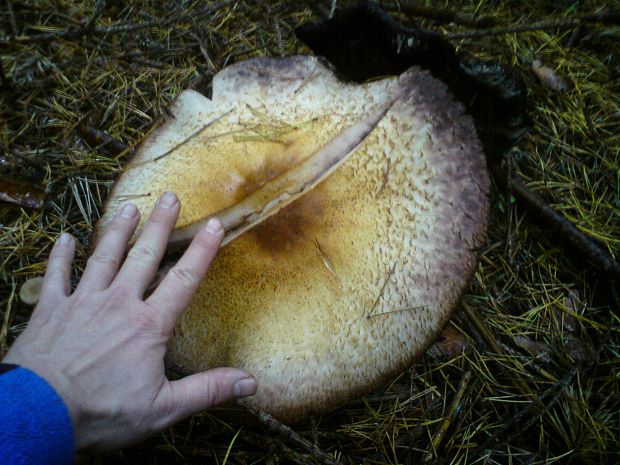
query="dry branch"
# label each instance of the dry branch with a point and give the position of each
(609, 17)
(271, 423)
(102, 140)
(442, 15)
(584, 244)
(278, 427)
(88, 29)
(11, 15)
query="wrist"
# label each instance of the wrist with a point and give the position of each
(55, 378)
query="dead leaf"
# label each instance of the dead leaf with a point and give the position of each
(549, 77)
(22, 194)
(451, 344)
(537, 349)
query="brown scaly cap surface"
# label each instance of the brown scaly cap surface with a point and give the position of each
(349, 282)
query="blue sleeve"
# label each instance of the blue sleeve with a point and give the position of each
(35, 426)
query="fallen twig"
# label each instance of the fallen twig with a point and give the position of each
(4, 80)
(320, 10)
(280, 450)
(6, 318)
(455, 408)
(103, 140)
(11, 15)
(546, 401)
(609, 17)
(442, 15)
(278, 427)
(72, 34)
(174, 372)
(517, 381)
(99, 7)
(587, 246)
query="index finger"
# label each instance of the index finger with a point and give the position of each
(175, 292)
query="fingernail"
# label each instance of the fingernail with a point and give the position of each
(214, 226)
(167, 200)
(244, 387)
(129, 211)
(64, 239)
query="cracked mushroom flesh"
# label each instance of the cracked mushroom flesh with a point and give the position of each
(352, 212)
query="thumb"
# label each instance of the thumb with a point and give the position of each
(204, 390)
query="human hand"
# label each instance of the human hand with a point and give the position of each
(102, 346)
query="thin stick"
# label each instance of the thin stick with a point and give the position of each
(4, 329)
(442, 15)
(318, 9)
(326, 261)
(279, 36)
(381, 291)
(72, 34)
(587, 246)
(455, 408)
(191, 136)
(11, 15)
(175, 372)
(278, 427)
(272, 443)
(99, 7)
(398, 310)
(203, 50)
(332, 8)
(611, 17)
(517, 381)
(102, 139)
(546, 401)
(3, 77)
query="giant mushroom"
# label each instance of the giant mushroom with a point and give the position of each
(353, 213)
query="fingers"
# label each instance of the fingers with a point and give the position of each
(144, 257)
(57, 280)
(176, 290)
(105, 261)
(205, 390)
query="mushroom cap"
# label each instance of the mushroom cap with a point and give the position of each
(346, 282)
(30, 291)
